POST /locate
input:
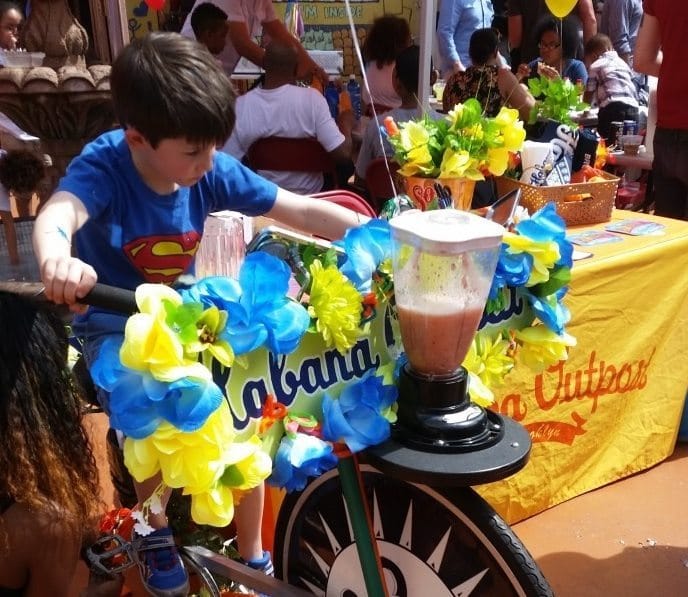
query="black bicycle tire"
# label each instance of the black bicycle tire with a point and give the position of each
(497, 540)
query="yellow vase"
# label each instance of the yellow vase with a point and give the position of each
(423, 192)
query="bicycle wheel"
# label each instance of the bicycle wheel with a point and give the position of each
(204, 579)
(431, 541)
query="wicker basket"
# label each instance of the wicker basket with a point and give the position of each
(589, 211)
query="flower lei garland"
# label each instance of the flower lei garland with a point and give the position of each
(174, 417)
(536, 260)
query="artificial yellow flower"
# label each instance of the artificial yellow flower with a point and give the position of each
(497, 160)
(478, 391)
(487, 358)
(193, 460)
(545, 254)
(511, 128)
(413, 134)
(246, 464)
(475, 132)
(336, 306)
(455, 115)
(454, 163)
(246, 467)
(541, 347)
(214, 507)
(150, 297)
(151, 345)
(418, 161)
(210, 324)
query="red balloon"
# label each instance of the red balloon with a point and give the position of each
(155, 4)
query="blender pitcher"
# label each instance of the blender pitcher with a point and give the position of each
(443, 263)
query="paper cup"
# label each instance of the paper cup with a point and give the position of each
(535, 157)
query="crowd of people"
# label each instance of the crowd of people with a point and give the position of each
(175, 106)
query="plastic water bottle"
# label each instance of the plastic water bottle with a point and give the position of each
(354, 90)
(332, 97)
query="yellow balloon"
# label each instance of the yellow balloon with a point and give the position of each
(560, 8)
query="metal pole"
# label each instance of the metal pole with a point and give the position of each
(428, 10)
(352, 488)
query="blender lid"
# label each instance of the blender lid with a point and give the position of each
(446, 230)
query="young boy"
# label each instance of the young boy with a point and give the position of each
(610, 85)
(135, 201)
(209, 24)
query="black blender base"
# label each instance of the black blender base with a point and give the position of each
(484, 464)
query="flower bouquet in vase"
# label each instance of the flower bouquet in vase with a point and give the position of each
(441, 160)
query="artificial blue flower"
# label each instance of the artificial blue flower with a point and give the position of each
(139, 403)
(545, 225)
(513, 269)
(217, 291)
(259, 310)
(298, 458)
(366, 247)
(550, 310)
(399, 364)
(358, 416)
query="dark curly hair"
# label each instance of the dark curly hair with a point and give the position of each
(46, 462)
(387, 36)
(21, 171)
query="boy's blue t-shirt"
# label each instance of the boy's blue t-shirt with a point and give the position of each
(133, 234)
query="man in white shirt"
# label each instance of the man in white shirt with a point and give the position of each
(281, 109)
(251, 20)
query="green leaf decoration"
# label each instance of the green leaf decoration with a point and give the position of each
(555, 99)
(558, 278)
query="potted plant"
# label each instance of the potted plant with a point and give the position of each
(447, 156)
(556, 99)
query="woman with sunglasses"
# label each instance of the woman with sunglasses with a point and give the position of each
(557, 42)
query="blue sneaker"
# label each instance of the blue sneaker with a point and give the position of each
(263, 564)
(162, 570)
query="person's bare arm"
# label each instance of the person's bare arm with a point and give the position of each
(321, 218)
(586, 13)
(515, 25)
(514, 94)
(66, 278)
(345, 122)
(307, 66)
(243, 42)
(43, 549)
(648, 47)
(53, 561)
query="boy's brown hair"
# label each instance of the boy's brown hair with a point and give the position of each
(168, 86)
(598, 44)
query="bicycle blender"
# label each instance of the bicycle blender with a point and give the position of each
(444, 262)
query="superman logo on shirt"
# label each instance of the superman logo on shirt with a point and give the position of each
(162, 259)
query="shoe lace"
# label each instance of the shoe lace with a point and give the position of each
(162, 558)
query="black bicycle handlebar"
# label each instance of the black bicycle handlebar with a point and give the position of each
(101, 295)
(112, 298)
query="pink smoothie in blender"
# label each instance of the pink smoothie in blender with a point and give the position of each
(436, 343)
(443, 263)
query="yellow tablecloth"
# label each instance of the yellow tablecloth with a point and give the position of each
(614, 407)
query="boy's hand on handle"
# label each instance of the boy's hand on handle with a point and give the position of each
(66, 280)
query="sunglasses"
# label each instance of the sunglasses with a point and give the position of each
(550, 46)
